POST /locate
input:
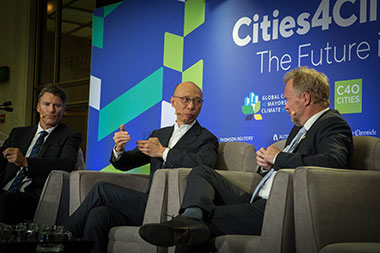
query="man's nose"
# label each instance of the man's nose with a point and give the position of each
(191, 104)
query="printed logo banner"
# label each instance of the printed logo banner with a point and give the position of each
(238, 53)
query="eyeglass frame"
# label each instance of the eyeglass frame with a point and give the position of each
(183, 98)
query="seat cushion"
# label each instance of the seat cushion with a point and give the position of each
(127, 239)
(237, 243)
(352, 247)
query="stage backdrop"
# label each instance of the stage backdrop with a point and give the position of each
(237, 51)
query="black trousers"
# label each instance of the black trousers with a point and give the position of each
(107, 205)
(226, 206)
(16, 207)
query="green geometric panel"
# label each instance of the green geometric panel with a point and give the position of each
(97, 31)
(109, 8)
(173, 51)
(194, 74)
(131, 104)
(145, 169)
(194, 15)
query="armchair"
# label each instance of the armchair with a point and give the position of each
(53, 206)
(336, 210)
(126, 238)
(278, 226)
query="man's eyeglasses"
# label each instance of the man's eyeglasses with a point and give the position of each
(186, 100)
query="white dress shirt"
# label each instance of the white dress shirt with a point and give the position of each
(27, 181)
(265, 190)
(177, 134)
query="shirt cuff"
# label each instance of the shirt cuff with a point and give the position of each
(116, 154)
(165, 154)
(274, 159)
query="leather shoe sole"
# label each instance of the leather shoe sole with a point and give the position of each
(167, 234)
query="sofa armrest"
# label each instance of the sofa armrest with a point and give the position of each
(177, 179)
(82, 181)
(53, 206)
(278, 233)
(335, 205)
(156, 207)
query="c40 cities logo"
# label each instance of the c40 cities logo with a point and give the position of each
(273, 103)
(348, 96)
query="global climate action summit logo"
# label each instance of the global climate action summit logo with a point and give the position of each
(251, 107)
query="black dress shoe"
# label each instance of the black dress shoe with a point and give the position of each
(179, 230)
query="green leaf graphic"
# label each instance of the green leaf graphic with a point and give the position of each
(257, 107)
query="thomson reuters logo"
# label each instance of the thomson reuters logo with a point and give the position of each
(251, 107)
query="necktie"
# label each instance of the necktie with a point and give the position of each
(289, 149)
(34, 153)
(295, 140)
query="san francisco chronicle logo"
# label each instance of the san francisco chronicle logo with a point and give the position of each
(251, 107)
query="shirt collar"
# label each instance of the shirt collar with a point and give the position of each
(309, 123)
(49, 130)
(184, 127)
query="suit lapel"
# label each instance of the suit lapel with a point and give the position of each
(165, 135)
(51, 139)
(299, 143)
(190, 136)
(28, 139)
(316, 123)
(292, 134)
(311, 131)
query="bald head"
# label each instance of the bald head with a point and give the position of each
(188, 86)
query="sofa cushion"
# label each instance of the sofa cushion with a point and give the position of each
(368, 247)
(237, 243)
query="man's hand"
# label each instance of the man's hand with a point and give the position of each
(271, 153)
(260, 159)
(265, 157)
(151, 147)
(121, 138)
(14, 155)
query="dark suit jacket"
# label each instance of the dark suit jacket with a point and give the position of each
(328, 143)
(197, 147)
(59, 152)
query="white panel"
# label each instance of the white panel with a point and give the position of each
(95, 90)
(168, 116)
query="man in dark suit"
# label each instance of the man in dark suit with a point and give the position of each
(24, 167)
(214, 206)
(186, 144)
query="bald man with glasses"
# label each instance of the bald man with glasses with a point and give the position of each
(186, 144)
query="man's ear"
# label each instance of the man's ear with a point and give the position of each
(172, 101)
(38, 108)
(307, 98)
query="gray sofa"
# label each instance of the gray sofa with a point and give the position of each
(53, 206)
(124, 238)
(231, 156)
(278, 226)
(337, 210)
